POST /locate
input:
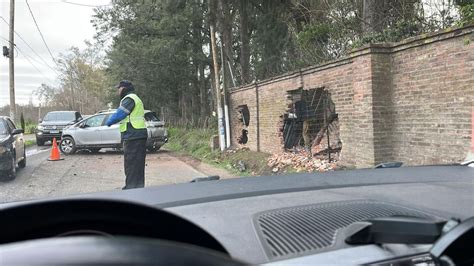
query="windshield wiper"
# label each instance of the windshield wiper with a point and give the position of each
(389, 165)
(469, 161)
(206, 178)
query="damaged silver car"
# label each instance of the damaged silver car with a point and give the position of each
(93, 134)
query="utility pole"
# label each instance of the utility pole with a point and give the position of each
(12, 61)
(220, 115)
(226, 107)
(39, 112)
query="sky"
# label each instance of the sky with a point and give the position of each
(63, 25)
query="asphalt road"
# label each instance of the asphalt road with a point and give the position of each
(87, 172)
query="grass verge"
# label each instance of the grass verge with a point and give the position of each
(196, 143)
(29, 143)
(30, 128)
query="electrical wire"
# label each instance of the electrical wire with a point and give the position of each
(42, 37)
(31, 48)
(85, 5)
(6, 39)
(14, 45)
(27, 57)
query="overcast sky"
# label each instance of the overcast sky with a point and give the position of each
(63, 25)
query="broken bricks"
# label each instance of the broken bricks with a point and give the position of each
(300, 160)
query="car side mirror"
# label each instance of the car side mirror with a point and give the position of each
(82, 125)
(17, 131)
(40, 120)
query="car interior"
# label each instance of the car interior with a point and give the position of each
(370, 216)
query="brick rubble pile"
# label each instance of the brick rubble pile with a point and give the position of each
(300, 160)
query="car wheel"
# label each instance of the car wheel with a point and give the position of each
(39, 142)
(22, 164)
(12, 173)
(121, 148)
(67, 145)
(153, 148)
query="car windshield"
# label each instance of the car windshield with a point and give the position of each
(3, 129)
(94, 121)
(61, 116)
(175, 92)
(151, 117)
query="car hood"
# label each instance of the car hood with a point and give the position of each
(56, 123)
(201, 192)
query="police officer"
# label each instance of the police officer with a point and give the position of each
(131, 116)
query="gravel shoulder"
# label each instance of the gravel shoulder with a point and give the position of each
(86, 172)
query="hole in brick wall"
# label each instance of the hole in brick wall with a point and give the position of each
(244, 114)
(244, 118)
(243, 138)
(311, 122)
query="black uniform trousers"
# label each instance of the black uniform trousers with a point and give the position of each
(134, 163)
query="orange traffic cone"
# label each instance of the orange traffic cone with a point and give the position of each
(55, 156)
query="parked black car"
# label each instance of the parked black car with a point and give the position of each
(53, 124)
(12, 149)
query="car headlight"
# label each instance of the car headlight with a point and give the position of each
(3, 149)
(40, 128)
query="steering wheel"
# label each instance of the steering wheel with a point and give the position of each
(91, 232)
(94, 250)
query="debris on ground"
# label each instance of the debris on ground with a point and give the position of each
(235, 150)
(301, 161)
(241, 166)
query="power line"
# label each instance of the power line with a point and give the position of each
(14, 45)
(6, 39)
(17, 50)
(27, 57)
(31, 63)
(77, 4)
(36, 68)
(42, 37)
(31, 48)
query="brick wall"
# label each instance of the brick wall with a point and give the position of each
(409, 101)
(382, 105)
(432, 96)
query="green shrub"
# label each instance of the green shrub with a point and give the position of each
(30, 128)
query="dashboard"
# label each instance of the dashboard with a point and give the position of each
(297, 219)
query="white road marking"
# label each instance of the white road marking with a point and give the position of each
(34, 152)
